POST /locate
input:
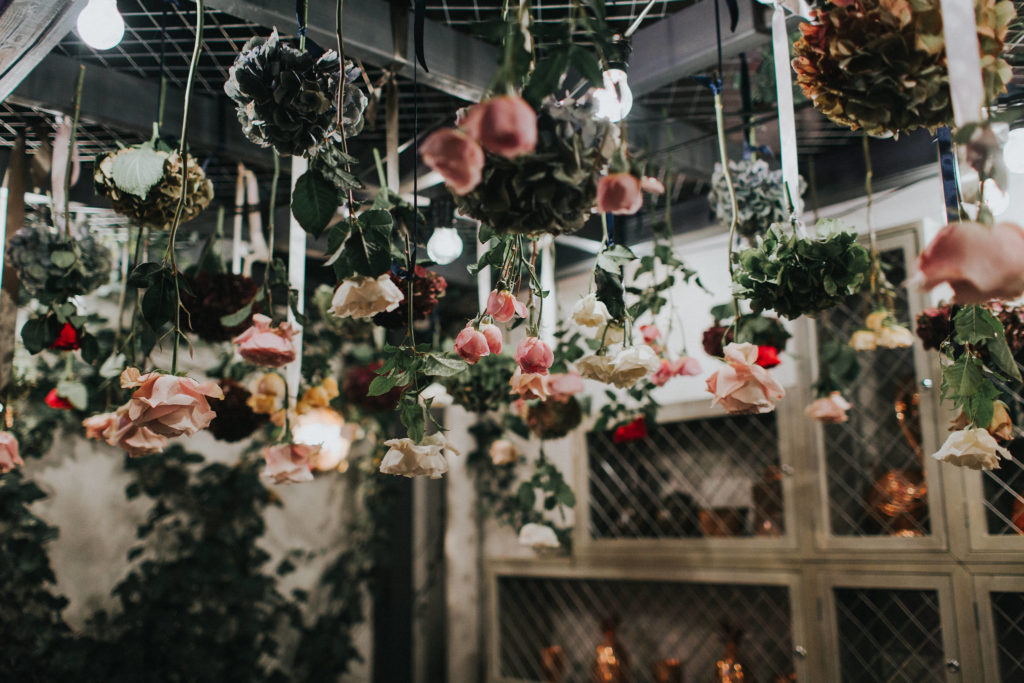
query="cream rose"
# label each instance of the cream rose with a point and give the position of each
(830, 409)
(538, 536)
(407, 458)
(973, 448)
(590, 312)
(895, 337)
(502, 452)
(863, 340)
(632, 364)
(742, 386)
(597, 368)
(364, 297)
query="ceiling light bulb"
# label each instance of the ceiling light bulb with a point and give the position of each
(444, 246)
(1013, 152)
(100, 25)
(325, 428)
(615, 99)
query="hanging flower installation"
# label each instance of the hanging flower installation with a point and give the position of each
(882, 330)
(881, 66)
(838, 369)
(760, 196)
(423, 457)
(742, 387)
(267, 346)
(212, 296)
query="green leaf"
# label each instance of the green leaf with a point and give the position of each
(159, 301)
(411, 414)
(38, 333)
(566, 496)
(137, 171)
(239, 316)
(526, 495)
(443, 366)
(547, 75)
(613, 258)
(90, 348)
(75, 393)
(975, 324)
(381, 385)
(608, 289)
(315, 201)
(586, 63)
(63, 259)
(1001, 355)
(964, 383)
(144, 274)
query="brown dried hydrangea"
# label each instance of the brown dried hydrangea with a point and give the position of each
(157, 208)
(880, 65)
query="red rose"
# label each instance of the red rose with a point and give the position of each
(68, 339)
(767, 357)
(58, 402)
(631, 431)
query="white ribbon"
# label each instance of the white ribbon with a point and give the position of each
(297, 281)
(963, 60)
(787, 119)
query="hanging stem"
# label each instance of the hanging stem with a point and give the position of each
(724, 156)
(71, 150)
(340, 106)
(182, 154)
(272, 208)
(872, 239)
(303, 20)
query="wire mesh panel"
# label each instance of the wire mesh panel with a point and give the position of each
(873, 463)
(1008, 620)
(715, 476)
(889, 636)
(1004, 488)
(555, 629)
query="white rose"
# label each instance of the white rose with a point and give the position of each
(538, 536)
(863, 340)
(632, 364)
(590, 312)
(974, 448)
(503, 452)
(363, 297)
(407, 458)
(595, 367)
(895, 337)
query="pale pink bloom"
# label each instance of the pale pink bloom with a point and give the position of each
(529, 385)
(742, 386)
(830, 409)
(289, 463)
(979, 262)
(502, 305)
(170, 406)
(650, 333)
(534, 356)
(268, 346)
(97, 425)
(492, 334)
(456, 156)
(9, 456)
(471, 344)
(563, 386)
(502, 452)
(619, 193)
(364, 297)
(505, 125)
(652, 185)
(133, 439)
(679, 367)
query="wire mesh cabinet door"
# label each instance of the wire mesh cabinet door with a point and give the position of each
(890, 628)
(878, 486)
(999, 602)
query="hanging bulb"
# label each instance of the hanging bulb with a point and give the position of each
(100, 25)
(325, 428)
(1013, 152)
(444, 246)
(615, 99)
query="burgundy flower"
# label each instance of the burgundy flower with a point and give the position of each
(357, 383)
(631, 431)
(68, 339)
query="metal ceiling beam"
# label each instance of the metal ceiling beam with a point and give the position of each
(29, 29)
(683, 44)
(459, 64)
(128, 103)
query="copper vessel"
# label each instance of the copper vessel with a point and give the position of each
(552, 663)
(611, 662)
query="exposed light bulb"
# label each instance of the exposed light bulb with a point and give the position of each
(325, 428)
(1013, 152)
(444, 246)
(615, 99)
(997, 200)
(100, 25)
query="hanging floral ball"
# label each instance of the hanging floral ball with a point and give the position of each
(427, 288)
(152, 204)
(760, 196)
(880, 65)
(552, 419)
(286, 97)
(235, 420)
(52, 267)
(214, 295)
(357, 384)
(554, 188)
(484, 386)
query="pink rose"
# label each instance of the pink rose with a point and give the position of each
(831, 409)
(529, 385)
(652, 185)
(493, 336)
(504, 125)
(267, 346)
(742, 386)
(650, 333)
(679, 367)
(134, 440)
(97, 425)
(534, 356)
(502, 305)
(979, 262)
(471, 344)
(289, 463)
(563, 386)
(170, 406)
(9, 457)
(456, 156)
(619, 193)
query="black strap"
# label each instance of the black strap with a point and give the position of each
(947, 165)
(419, 20)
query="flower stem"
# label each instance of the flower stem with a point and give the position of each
(340, 106)
(724, 155)
(71, 150)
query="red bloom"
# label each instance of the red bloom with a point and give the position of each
(767, 357)
(631, 431)
(68, 339)
(58, 402)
